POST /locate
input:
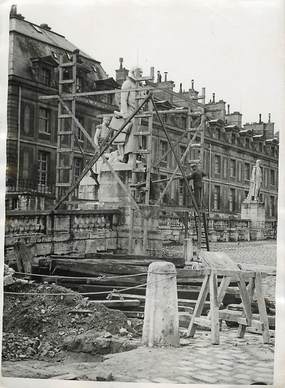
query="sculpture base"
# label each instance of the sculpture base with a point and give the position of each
(255, 212)
(110, 191)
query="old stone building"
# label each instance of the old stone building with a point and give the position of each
(32, 124)
(230, 151)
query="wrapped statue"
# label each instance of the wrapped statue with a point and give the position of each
(255, 183)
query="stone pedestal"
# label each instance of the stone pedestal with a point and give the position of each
(110, 191)
(131, 231)
(161, 323)
(255, 212)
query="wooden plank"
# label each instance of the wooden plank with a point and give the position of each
(245, 299)
(214, 309)
(199, 306)
(223, 288)
(178, 261)
(117, 303)
(262, 308)
(87, 268)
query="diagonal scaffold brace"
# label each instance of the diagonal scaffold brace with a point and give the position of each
(98, 154)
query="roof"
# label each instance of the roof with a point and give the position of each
(49, 37)
(29, 43)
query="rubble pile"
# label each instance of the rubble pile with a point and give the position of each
(36, 325)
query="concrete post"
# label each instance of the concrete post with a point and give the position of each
(188, 250)
(161, 322)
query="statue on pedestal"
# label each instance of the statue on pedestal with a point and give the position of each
(126, 142)
(255, 183)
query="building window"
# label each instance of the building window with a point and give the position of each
(234, 138)
(27, 119)
(43, 166)
(217, 197)
(79, 133)
(217, 133)
(247, 171)
(182, 150)
(272, 206)
(79, 84)
(25, 165)
(260, 147)
(232, 200)
(44, 121)
(272, 177)
(163, 150)
(77, 167)
(232, 168)
(239, 171)
(225, 168)
(45, 76)
(245, 194)
(217, 165)
(247, 142)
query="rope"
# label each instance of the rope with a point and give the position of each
(83, 293)
(80, 277)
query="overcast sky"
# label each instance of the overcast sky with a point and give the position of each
(234, 48)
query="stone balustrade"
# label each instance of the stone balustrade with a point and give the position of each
(220, 229)
(63, 231)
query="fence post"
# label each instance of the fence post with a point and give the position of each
(161, 323)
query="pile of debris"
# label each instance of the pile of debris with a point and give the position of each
(39, 320)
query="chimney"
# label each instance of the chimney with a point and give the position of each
(269, 117)
(214, 95)
(45, 26)
(121, 62)
(152, 72)
(180, 87)
(13, 11)
(192, 84)
(165, 76)
(259, 118)
(158, 76)
(228, 109)
(14, 14)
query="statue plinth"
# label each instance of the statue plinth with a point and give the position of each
(255, 212)
(110, 191)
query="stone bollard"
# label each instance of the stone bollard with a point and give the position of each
(188, 250)
(161, 322)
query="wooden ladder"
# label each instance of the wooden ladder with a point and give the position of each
(66, 126)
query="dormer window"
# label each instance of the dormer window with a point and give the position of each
(37, 28)
(45, 76)
(79, 84)
(55, 55)
(43, 69)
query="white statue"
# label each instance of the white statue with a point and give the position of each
(255, 183)
(126, 142)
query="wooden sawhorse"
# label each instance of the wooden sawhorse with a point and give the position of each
(215, 316)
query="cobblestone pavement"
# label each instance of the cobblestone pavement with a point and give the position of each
(234, 361)
(261, 253)
(196, 361)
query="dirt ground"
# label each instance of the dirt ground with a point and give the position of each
(65, 337)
